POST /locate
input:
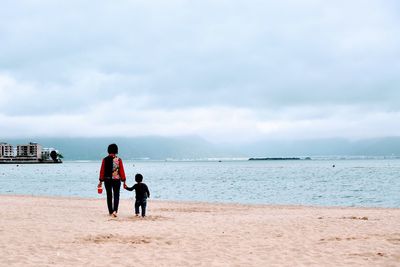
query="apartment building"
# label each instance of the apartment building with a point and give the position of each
(6, 150)
(32, 150)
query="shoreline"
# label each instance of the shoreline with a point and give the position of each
(67, 231)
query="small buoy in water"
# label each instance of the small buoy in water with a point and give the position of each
(333, 166)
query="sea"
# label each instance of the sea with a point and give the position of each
(317, 182)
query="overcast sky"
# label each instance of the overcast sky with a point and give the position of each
(223, 70)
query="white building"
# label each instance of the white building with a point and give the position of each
(6, 150)
(33, 150)
(46, 153)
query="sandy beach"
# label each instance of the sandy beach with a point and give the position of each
(50, 231)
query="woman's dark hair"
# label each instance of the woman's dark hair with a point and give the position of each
(138, 178)
(112, 149)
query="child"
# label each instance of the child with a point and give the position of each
(142, 193)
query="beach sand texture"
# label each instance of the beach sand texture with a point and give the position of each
(50, 231)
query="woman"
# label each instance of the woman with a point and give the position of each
(112, 173)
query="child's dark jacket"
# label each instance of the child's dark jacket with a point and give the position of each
(141, 190)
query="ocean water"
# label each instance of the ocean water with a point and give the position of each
(360, 183)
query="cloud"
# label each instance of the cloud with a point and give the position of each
(212, 68)
(215, 123)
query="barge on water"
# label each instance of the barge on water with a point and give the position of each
(32, 153)
(17, 161)
(292, 158)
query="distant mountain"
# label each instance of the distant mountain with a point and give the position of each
(129, 148)
(388, 146)
(160, 148)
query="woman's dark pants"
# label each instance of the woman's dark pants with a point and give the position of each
(112, 186)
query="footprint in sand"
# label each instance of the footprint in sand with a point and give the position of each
(115, 238)
(138, 218)
(394, 241)
(129, 240)
(364, 218)
(344, 238)
(188, 210)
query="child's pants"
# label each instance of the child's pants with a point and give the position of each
(140, 203)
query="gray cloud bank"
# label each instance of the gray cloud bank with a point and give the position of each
(219, 69)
